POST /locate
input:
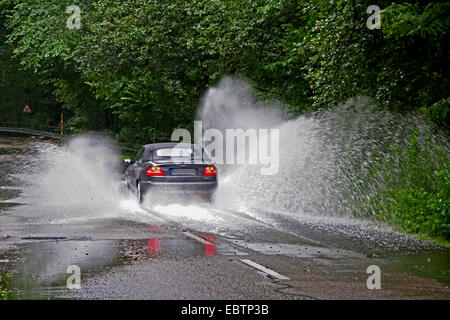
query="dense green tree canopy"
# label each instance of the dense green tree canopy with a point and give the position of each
(138, 68)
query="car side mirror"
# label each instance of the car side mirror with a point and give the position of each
(128, 161)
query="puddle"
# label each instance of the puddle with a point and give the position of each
(179, 248)
(434, 266)
(297, 251)
(38, 265)
(38, 269)
(157, 248)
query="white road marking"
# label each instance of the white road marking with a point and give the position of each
(11, 188)
(264, 269)
(193, 236)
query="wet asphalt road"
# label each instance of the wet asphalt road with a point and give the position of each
(195, 250)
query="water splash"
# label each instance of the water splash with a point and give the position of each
(81, 178)
(325, 157)
(85, 171)
(325, 160)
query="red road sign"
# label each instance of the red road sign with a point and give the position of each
(27, 109)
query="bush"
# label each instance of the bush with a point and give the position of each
(439, 112)
(5, 293)
(419, 211)
(417, 189)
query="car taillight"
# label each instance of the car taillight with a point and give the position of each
(210, 171)
(154, 172)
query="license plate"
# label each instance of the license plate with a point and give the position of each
(184, 171)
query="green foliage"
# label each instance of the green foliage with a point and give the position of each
(5, 293)
(406, 20)
(420, 211)
(18, 87)
(144, 65)
(138, 68)
(416, 193)
(439, 112)
(403, 65)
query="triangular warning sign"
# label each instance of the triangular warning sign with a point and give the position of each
(27, 109)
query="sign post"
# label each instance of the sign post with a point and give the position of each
(62, 123)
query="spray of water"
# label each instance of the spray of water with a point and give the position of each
(318, 152)
(316, 178)
(77, 181)
(84, 172)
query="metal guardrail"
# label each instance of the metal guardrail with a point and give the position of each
(54, 134)
(32, 132)
(35, 127)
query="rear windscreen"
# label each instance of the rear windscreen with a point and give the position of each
(174, 152)
(178, 153)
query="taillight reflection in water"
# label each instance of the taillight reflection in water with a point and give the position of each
(154, 247)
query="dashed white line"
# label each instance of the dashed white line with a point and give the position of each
(264, 269)
(193, 236)
(246, 261)
(10, 188)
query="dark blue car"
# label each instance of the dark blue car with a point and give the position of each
(171, 168)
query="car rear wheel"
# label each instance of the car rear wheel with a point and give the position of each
(139, 195)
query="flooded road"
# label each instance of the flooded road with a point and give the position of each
(61, 206)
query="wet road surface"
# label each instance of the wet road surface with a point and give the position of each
(191, 251)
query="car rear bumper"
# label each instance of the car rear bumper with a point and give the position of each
(204, 187)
